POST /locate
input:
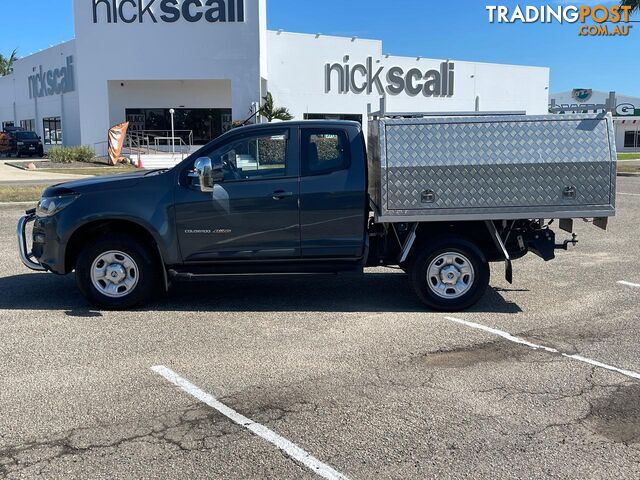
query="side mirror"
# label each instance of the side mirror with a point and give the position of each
(203, 172)
(208, 172)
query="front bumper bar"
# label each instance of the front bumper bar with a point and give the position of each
(25, 255)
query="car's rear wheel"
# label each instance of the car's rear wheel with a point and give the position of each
(451, 274)
(116, 272)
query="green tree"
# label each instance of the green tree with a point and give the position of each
(634, 4)
(270, 112)
(6, 63)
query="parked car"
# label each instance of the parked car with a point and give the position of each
(439, 197)
(17, 142)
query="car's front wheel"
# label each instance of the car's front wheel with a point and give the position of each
(116, 272)
(451, 274)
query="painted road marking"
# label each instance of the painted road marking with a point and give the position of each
(629, 284)
(291, 449)
(630, 194)
(524, 342)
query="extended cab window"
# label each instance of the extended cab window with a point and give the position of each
(254, 157)
(324, 151)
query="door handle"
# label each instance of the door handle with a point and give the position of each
(281, 195)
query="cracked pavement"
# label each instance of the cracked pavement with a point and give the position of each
(352, 369)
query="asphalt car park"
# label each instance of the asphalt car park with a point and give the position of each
(334, 377)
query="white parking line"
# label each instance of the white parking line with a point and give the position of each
(291, 449)
(524, 342)
(630, 194)
(18, 204)
(629, 284)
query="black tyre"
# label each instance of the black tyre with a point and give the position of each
(450, 274)
(117, 272)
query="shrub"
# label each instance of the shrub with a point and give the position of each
(60, 155)
(81, 153)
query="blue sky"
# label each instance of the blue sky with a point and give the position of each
(429, 28)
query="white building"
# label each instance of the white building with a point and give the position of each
(211, 61)
(625, 110)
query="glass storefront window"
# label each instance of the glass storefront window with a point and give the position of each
(632, 139)
(629, 139)
(28, 125)
(52, 127)
(204, 124)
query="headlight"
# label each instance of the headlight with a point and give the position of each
(49, 206)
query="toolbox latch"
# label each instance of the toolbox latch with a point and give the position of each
(428, 196)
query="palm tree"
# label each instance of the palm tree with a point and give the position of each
(270, 112)
(6, 64)
(634, 4)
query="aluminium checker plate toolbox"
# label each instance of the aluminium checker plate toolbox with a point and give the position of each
(492, 168)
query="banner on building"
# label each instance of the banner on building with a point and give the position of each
(117, 135)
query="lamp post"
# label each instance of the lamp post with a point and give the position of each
(173, 134)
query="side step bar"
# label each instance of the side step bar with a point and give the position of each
(188, 276)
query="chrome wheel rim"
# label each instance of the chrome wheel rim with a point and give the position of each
(114, 274)
(450, 275)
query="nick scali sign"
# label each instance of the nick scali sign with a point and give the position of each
(167, 11)
(364, 78)
(52, 82)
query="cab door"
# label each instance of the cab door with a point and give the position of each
(253, 213)
(333, 192)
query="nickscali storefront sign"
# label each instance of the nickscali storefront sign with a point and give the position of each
(168, 11)
(365, 77)
(56, 81)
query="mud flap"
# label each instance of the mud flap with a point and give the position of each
(497, 239)
(509, 271)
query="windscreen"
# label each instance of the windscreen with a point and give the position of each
(26, 136)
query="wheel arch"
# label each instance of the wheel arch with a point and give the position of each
(94, 229)
(428, 234)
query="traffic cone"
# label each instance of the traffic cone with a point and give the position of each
(140, 162)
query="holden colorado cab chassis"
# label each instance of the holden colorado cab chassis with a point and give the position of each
(305, 197)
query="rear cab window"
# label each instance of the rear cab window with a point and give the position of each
(324, 151)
